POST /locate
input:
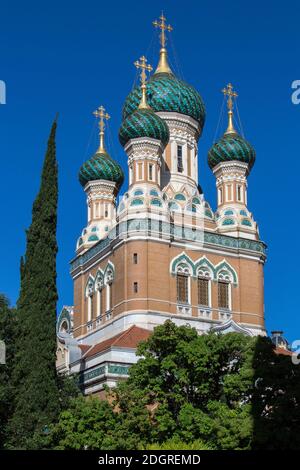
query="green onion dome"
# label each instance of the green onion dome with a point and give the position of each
(101, 167)
(143, 123)
(165, 92)
(231, 147)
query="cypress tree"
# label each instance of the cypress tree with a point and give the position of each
(7, 334)
(36, 402)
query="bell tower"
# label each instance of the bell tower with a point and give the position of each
(231, 160)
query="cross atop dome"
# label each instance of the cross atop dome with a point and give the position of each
(228, 91)
(143, 66)
(103, 116)
(163, 66)
(163, 27)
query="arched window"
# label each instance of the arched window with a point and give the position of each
(137, 202)
(182, 283)
(138, 192)
(89, 293)
(150, 172)
(220, 196)
(239, 193)
(64, 327)
(179, 159)
(99, 284)
(156, 202)
(224, 290)
(108, 280)
(204, 287)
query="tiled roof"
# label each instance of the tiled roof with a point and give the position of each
(127, 339)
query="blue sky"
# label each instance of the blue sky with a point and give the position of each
(70, 56)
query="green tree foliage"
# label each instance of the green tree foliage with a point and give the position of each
(7, 334)
(198, 386)
(185, 388)
(189, 391)
(276, 400)
(175, 444)
(37, 396)
(86, 424)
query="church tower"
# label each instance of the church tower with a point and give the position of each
(160, 252)
(231, 160)
(101, 177)
(144, 136)
(182, 108)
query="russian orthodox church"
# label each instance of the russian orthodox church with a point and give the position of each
(160, 252)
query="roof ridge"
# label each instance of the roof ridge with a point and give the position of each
(115, 340)
(122, 334)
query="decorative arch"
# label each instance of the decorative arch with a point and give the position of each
(153, 192)
(228, 221)
(208, 213)
(138, 192)
(156, 202)
(93, 238)
(99, 286)
(90, 286)
(225, 266)
(231, 327)
(180, 197)
(204, 263)
(109, 273)
(246, 222)
(99, 280)
(182, 260)
(89, 293)
(137, 202)
(196, 200)
(65, 320)
(173, 206)
(229, 212)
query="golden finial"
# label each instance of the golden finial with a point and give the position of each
(228, 91)
(163, 65)
(102, 115)
(143, 66)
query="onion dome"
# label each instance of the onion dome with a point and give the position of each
(232, 146)
(143, 122)
(165, 92)
(101, 166)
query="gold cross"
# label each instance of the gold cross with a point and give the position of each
(144, 66)
(163, 27)
(102, 115)
(228, 91)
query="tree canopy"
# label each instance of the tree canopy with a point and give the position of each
(220, 391)
(7, 335)
(36, 393)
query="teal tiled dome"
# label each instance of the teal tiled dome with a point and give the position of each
(165, 92)
(143, 123)
(101, 167)
(231, 147)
